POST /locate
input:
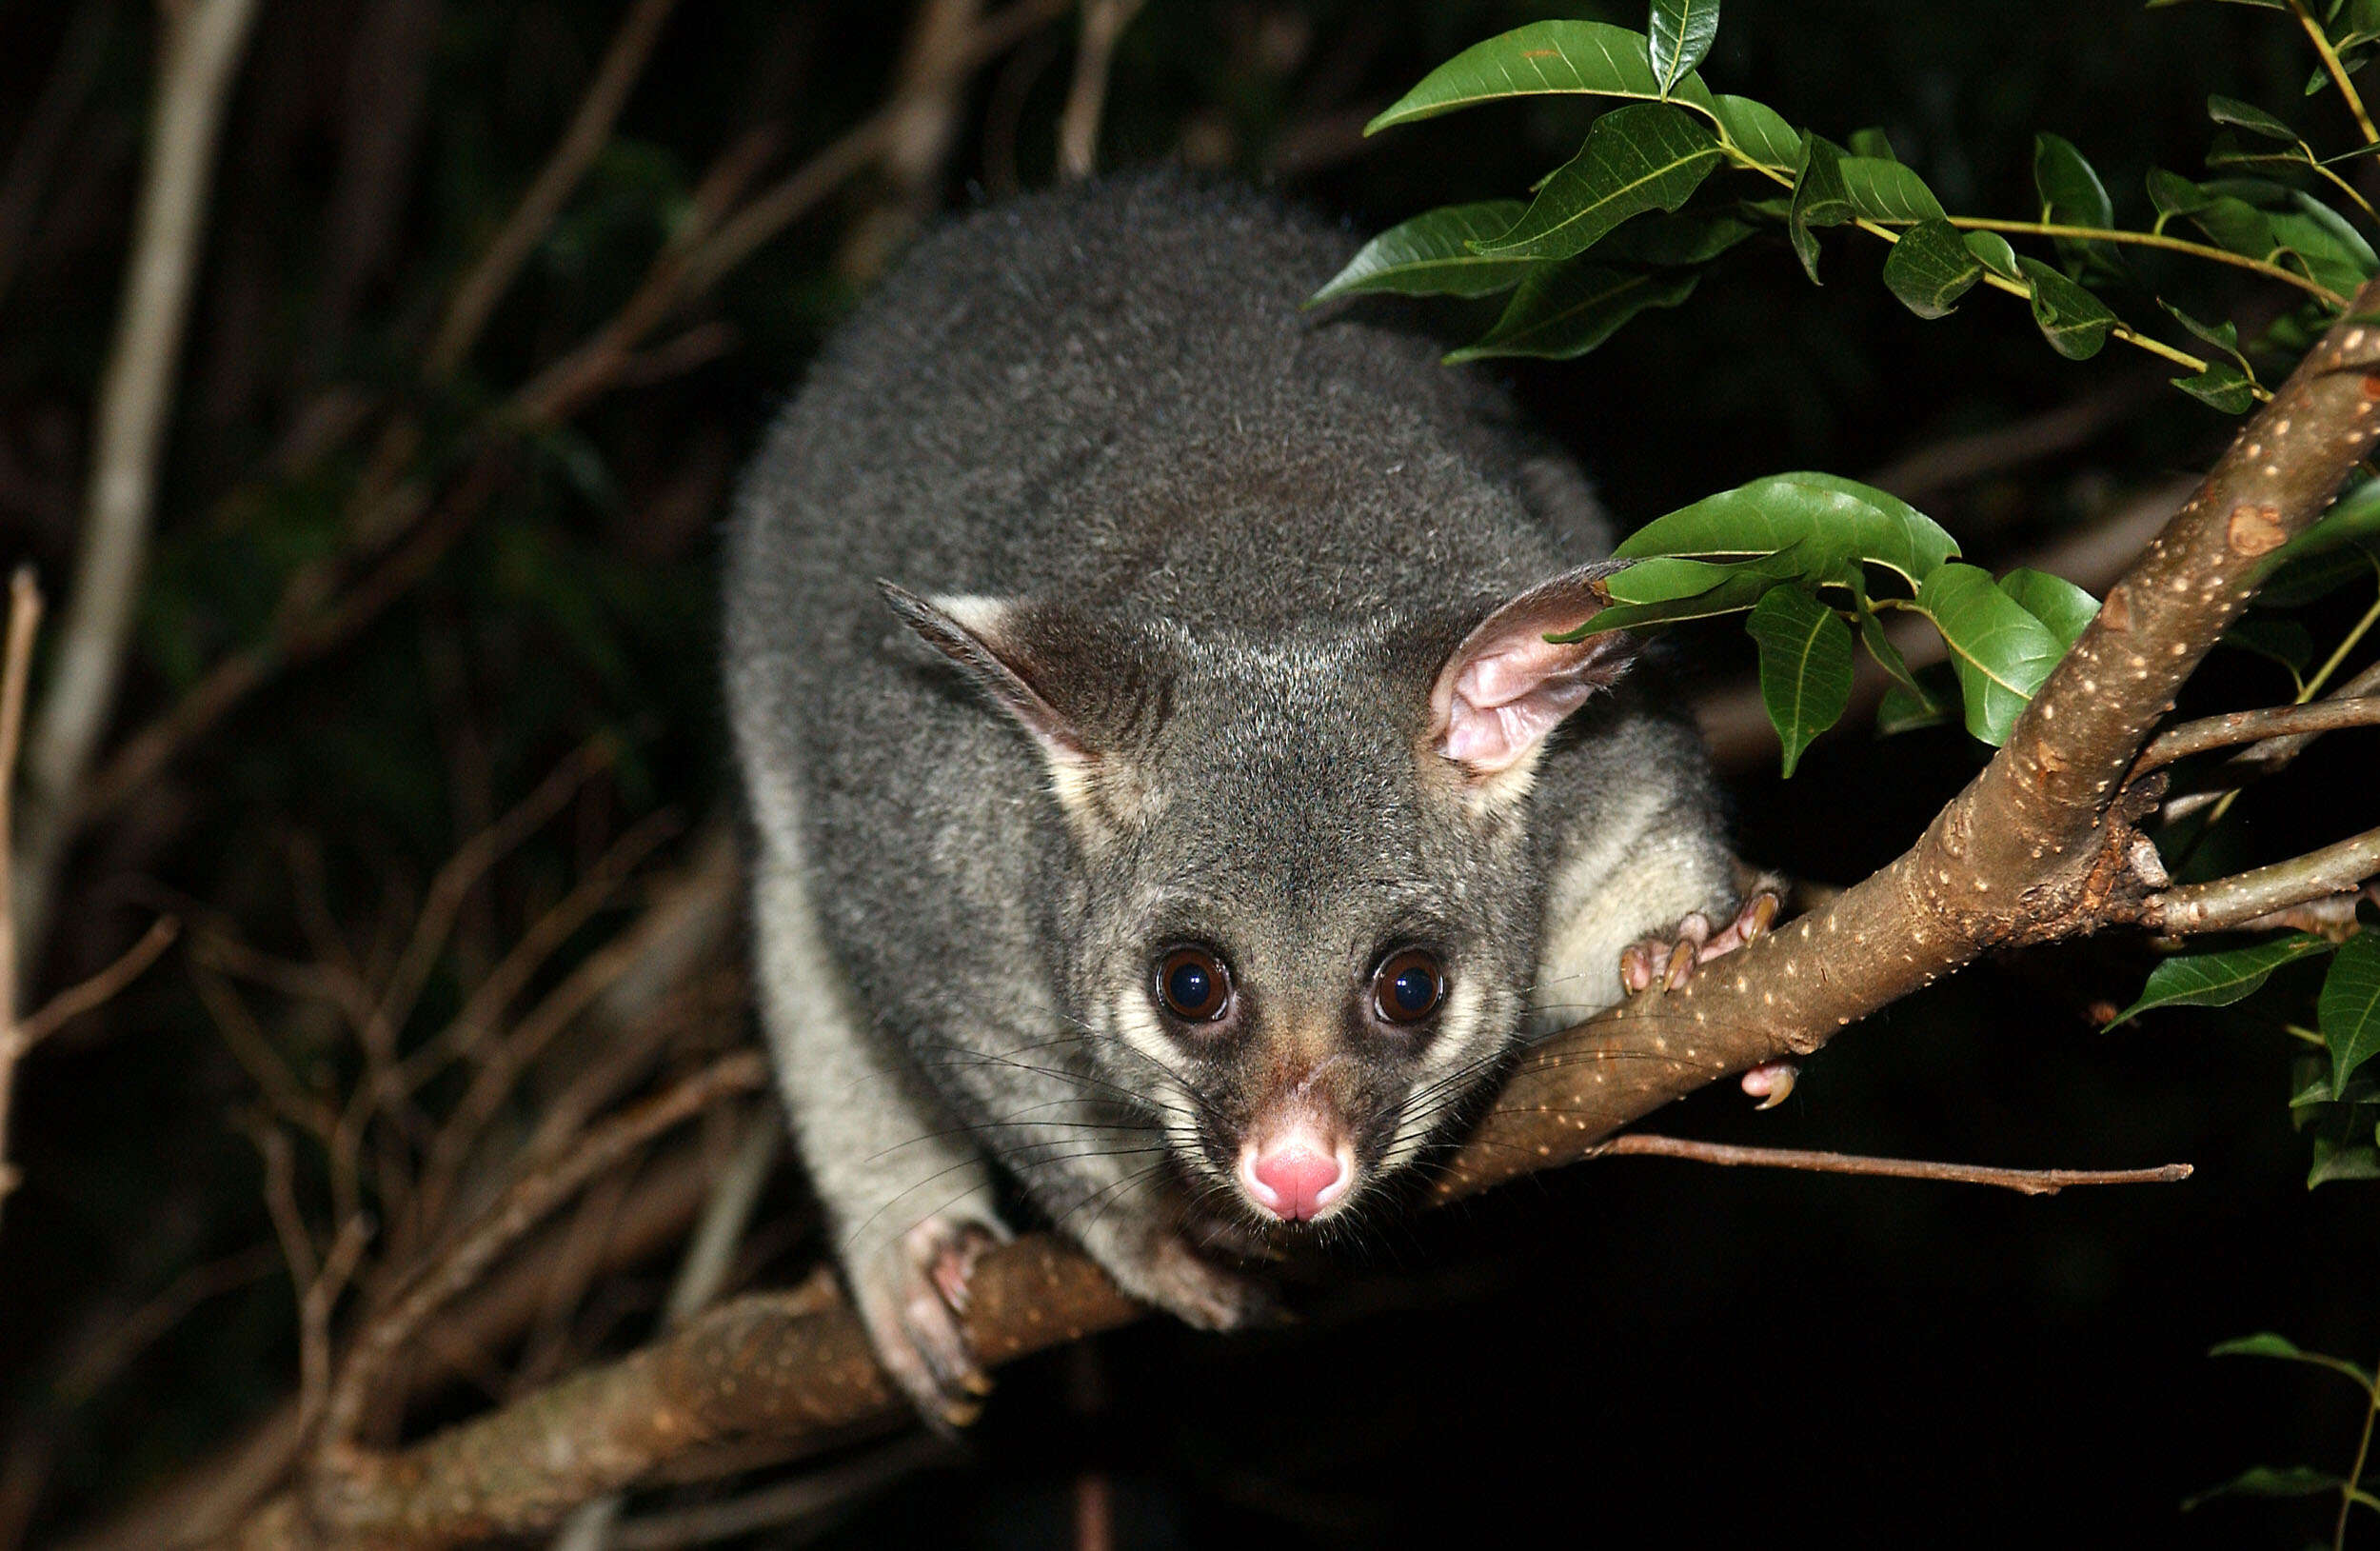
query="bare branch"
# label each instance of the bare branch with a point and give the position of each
(789, 1502)
(2030, 1182)
(314, 1310)
(101, 988)
(521, 1209)
(2227, 904)
(1103, 23)
(475, 299)
(202, 45)
(2252, 726)
(24, 619)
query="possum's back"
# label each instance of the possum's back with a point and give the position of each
(1112, 395)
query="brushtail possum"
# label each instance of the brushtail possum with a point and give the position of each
(1166, 796)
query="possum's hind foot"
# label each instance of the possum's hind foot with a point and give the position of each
(1666, 963)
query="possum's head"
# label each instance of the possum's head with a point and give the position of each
(1306, 921)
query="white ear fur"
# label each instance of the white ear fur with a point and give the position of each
(1507, 686)
(969, 631)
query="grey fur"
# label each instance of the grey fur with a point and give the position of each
(1236, 546)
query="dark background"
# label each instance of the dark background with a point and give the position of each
(1632, 1352)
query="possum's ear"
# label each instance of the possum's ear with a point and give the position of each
(1507, 686)
(982, 635)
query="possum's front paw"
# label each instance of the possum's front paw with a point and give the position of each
(911, 1294)
(1667, 962)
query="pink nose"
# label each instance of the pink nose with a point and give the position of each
(1297, 1180)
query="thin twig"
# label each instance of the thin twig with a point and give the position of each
(2227, 904)
(102, 987)
(2253, 726)
(821, 1492)
(202, 48)
(314, 1311)
(1103, 23)
(710, 1254)
(475, 299)
(23, 620)
(521, 1209)
(2030, 1182)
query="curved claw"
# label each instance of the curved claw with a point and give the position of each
(1667, 962)
(1772, 1082)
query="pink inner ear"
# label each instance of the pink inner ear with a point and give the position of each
(1509, 692)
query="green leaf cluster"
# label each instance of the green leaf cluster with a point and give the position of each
(1575, 277)
(1814, 559)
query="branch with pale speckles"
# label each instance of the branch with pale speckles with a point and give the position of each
(2040, 846)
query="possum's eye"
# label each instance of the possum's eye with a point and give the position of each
(1194, 984)
(1408, 987)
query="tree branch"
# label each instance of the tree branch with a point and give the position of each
(2227, 904)
(2254, 726)
(2030, 1182)
(201, 43)
(589, 131)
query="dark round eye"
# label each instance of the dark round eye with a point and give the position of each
(1408, 987)
(1194, 984)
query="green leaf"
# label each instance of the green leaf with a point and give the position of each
(1567, 309)
(2335, 255)
(2345, 1151)
(1643, 157)
(2074, 322)
(1820, 199)
(1996, 254)
(2245, 115)
(2217, 980)
(2066, 609)
(2000, 651)
(2317, 575)
(1887, 192)
(1682, 31)
(1837, 525)
(1757, 131)
(1872, 142)
(2223, 336)
(2264, 1343)
(1543, 58)
(1928, 704)
(2235, 226)
(1431, 255)
(2173, 195)
(1664, 591)
(2283, 640)
(2228, 151)
(1805, 667)
(1686, 238)
(2221, 386)
(2072, 195)
(2269, 1481)
(2350, 1007)
(1930, 267)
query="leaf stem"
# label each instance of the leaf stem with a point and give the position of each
(2348, 1492)
(2343, 186)
(2338, 73)
(1998, 282)
(2151, 239)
